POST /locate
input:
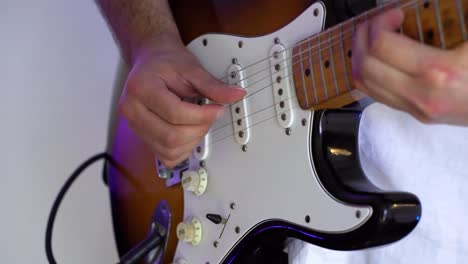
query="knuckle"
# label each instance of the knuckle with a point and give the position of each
(429, 110)
(133, 87)
(172, 140)
(172, 154)
(126, 110)
(434, 79)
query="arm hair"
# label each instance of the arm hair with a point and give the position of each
(140, 24)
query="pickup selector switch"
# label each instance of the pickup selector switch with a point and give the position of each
(195, 181)
(190, 231)
(216, 219)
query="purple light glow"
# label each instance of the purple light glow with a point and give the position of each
(279, 227)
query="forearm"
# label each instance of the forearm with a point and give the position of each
(140, 24)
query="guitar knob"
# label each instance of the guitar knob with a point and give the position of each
(195, 181)
(180, 261)
(190, 231)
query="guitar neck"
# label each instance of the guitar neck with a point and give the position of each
(322, 64)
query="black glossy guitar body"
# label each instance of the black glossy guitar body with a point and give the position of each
(395, 214)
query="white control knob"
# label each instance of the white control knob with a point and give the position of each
(195, 181)
(190, 231)
(180, 261)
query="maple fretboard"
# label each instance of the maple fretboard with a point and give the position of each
(322, 63)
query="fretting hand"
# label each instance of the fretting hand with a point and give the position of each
(429, 83)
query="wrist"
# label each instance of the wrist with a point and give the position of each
(159, 44)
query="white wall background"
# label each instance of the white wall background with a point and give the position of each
(57, 67)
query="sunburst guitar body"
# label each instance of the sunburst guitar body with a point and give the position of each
(280, 163)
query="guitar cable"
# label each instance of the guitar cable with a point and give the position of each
(152, 242)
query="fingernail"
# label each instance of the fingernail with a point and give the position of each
(220, 114)
(234, 87)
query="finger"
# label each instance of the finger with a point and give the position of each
(360, 47)
(160, 100)
(394, 102)
(214, 89)
(172, 157)
(153, 128)
(410, 55)
(391, 86)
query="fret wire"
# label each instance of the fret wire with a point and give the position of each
(321, 68)
(418, 22)
(343, 58)
(312, 74)
(303, 41)
(354, 26)
(439, 24)
(462, 19)
(332, 59)
(302, 75)
(458, 2)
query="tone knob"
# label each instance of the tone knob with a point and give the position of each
(195, 181)
(190, 231)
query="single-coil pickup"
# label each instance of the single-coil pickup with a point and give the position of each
(282, 93)
(239, 110)
(200, 152)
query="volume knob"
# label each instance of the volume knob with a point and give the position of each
(190, 231)
(195, 181)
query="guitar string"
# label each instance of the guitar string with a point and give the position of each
(290, 98)
(321, 49)
(270, 84)
(297, 45)
(365, 14)
(310, 55)
(267, 86)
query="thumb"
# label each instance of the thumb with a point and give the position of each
(217, 91)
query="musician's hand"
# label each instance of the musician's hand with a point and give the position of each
(152, 103)
(429, 83)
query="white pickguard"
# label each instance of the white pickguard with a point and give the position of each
(275, 177)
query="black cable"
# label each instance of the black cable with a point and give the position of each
(154, 241)
(59, 198)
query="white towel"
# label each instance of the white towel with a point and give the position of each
(431, 161)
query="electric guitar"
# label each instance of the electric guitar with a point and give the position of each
(280, 163)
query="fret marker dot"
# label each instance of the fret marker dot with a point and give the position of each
(350, 53)
(427, 4)
(429, 35)
(307, 72)
(327, 64)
